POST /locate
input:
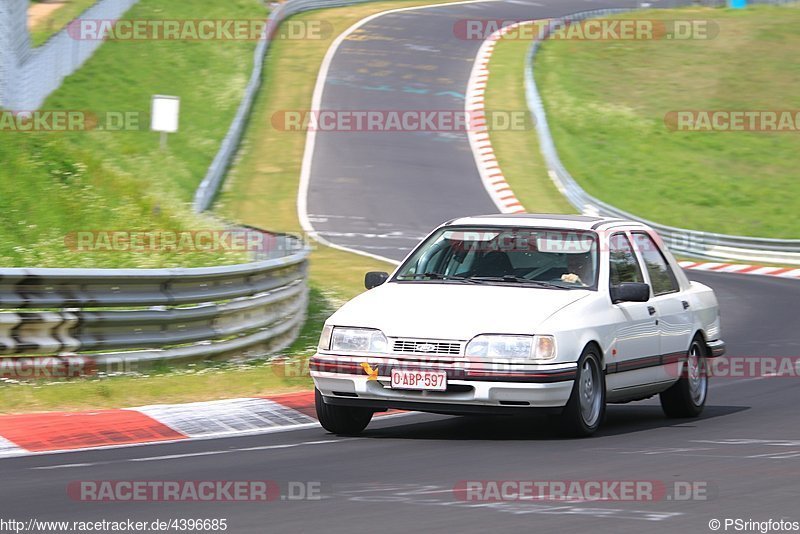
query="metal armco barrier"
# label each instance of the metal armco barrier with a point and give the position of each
(110, 315)
(682, 241)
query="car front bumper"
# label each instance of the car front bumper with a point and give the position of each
(472, 387)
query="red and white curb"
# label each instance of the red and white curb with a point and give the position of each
(737, 268)
(225, 417)
(37, 433)
(478, 134)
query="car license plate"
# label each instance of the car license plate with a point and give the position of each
(419, 380)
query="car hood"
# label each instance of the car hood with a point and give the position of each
(453, 311)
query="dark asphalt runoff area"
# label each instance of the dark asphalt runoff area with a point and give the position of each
(742, 456)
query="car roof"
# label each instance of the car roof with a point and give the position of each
(547, 220)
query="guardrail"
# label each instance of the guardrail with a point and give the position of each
(108, 315)
(215, 175)
(682, 241)
(31, 74)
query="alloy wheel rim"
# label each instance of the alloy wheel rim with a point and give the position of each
(589, 392)
(698, 380)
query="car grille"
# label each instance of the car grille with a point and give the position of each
(416, 346)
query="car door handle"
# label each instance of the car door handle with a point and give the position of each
(651, 310)
(685, 304)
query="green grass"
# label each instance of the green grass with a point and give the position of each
(193, 384)
(56, 20)
(52, 184)
(261, 190)
(517, 151)
(606, 102)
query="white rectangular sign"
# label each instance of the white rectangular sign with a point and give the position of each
(165, 113)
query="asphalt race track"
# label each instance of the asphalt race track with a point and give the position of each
(743, 453)
(399, 476)
(380, 192)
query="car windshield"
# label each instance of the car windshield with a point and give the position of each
(542, 257)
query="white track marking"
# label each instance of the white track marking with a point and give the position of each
(316, 103)
(715, 384)
(318, 442)
(174, 456)
(192, 454)
(64, 466)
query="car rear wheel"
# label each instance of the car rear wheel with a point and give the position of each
(687, 397)
(586, 407)
(344, 420)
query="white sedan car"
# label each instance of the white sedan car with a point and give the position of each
(505, 314)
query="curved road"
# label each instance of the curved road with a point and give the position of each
(399, 476)
(382, 192)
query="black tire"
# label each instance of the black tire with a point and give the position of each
(343, 420)
(687, 397)
(586, 408)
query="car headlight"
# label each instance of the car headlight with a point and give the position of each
(358, 340)
(512, 347)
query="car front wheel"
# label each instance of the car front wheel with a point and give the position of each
(687, 397)
(344, 420)
(587, 404)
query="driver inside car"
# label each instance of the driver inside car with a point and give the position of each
(579, 268)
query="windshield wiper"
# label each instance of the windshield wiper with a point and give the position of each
(436, 276)
(514, 279)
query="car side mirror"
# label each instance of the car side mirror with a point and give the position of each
(630, 292)
(374, 279)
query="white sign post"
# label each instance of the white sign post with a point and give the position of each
(164, 116)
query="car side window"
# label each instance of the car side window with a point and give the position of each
(623, 264)
(662, 278)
